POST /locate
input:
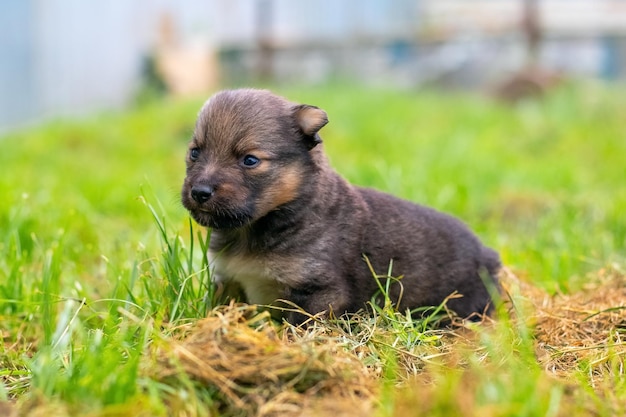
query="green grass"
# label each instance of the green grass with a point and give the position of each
(100, 266)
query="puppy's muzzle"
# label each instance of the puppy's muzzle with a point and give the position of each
(202, 193)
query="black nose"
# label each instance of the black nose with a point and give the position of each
(201, 193)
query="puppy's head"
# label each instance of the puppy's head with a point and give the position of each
(249, 153)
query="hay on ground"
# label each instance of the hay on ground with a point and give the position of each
(259, 368)
(241, 354)
(585, 330)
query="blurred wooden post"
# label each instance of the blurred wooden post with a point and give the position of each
(264, 22)
(531, 28)
(531, 80)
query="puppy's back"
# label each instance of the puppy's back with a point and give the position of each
(435, 253)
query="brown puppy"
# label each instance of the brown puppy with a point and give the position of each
(287, 226)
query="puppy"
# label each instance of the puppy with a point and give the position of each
(286, 226)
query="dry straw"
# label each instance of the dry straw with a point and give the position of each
(258, 370)
(585, 330)
(261, 368)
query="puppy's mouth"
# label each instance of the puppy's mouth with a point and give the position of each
(216, 211)
(221, 219)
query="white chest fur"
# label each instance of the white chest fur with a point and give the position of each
(257, 278)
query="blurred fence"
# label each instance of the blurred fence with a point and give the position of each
(64, 57)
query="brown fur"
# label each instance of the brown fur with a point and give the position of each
(289, 227)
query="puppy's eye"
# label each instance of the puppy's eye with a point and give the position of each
(250, 161)
(194, 154)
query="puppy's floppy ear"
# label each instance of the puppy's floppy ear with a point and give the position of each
(310, 119)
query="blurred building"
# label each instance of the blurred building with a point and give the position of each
(66, 57)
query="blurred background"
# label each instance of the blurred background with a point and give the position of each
(70, 57)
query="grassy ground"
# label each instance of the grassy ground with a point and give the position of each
(106, 307)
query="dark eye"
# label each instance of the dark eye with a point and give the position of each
(194, 154)
(250, 161)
